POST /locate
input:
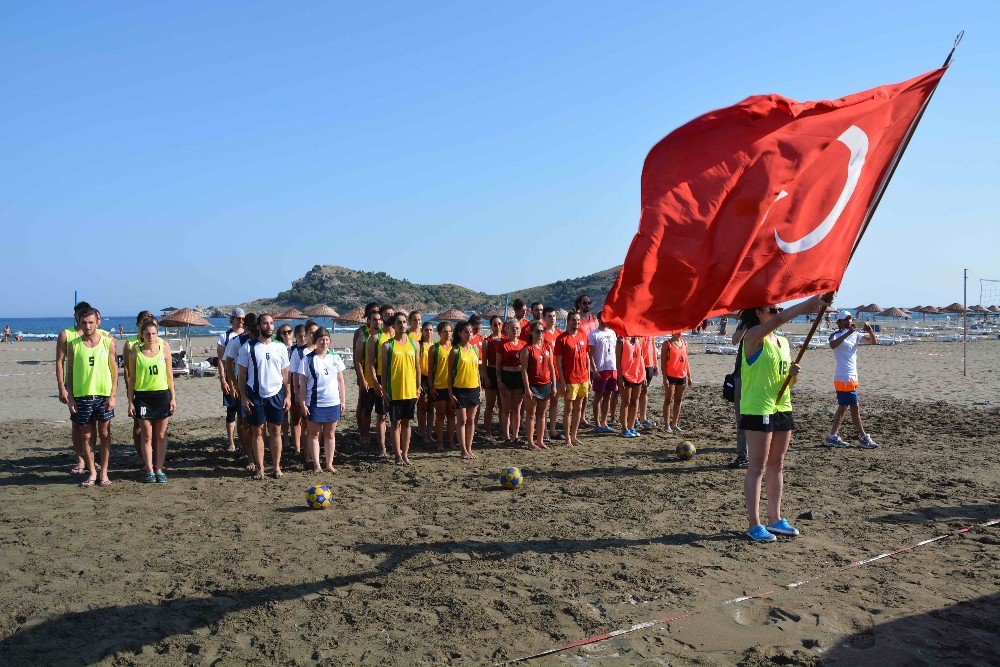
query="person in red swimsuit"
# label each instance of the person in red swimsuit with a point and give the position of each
(551, 334)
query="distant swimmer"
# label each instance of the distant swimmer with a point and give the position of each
(151, 397)
(93, 377)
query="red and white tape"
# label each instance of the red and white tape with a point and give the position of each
(743, 598)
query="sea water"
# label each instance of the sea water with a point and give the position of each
(48, 328)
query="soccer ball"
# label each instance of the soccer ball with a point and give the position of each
(318, 497)
(686, 451)
(511, 478)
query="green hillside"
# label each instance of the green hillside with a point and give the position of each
(345, 289)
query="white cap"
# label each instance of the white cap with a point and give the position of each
(843, 314)
(238, 312)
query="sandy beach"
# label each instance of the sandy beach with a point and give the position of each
(436, 564)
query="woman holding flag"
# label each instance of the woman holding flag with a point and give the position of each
(766, 417)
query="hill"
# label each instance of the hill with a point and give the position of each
(345, 289)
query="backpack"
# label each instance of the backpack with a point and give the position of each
(729, 382)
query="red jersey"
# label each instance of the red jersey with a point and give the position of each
(573, 354)
(588, 323)
(677, 359)
(477, 342)
(525, 334)
(552, 336)
(633, 366)
(510, 352)
(491, 347)
(648, 351)
(539, 364)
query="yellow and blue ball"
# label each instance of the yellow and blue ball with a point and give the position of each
(686, 450)
(318, 497)
(511, 478)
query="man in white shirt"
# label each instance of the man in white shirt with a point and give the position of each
(844, 342)
(263, 381)
(604, 370)
(236, 318)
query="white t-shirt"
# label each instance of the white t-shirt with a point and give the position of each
(603, 345)
(326, 385)
(846, 355)
(295, 356)
(224, 338)
(233, 348)
(264, 366)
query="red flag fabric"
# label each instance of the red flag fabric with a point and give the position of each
(758, 203)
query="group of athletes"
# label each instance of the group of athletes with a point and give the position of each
(439, 376)
(289, 383)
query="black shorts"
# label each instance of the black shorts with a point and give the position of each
(466, 398)
(541, 392)
(776, 423)
(152, 404)
(632, 384)
(371, 400)
(402, 409)
(513, 380)
(425, 383)
(650, 374)
(677, 382)
(491, 378)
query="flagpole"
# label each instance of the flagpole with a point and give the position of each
(875, 202)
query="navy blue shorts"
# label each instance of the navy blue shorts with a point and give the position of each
(271, 409)
(229, 402)
(90, 409)
(847, 397)
(327, 415)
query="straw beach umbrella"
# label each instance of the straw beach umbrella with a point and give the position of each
(496, 312)
(356, 316)
(291, 314)
(894, 313)
(321, 310)
(451, 315)
(954, 308)
(187, 318)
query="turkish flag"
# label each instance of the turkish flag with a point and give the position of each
(758, 203)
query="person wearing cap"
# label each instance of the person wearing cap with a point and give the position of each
(228, 384)
(844, 342)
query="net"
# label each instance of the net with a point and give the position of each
(989, 292)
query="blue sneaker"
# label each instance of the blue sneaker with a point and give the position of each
(761, 534)
(635, 433)
(782, 527)
(626, 433)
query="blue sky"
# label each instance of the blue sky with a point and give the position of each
(161, 154)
